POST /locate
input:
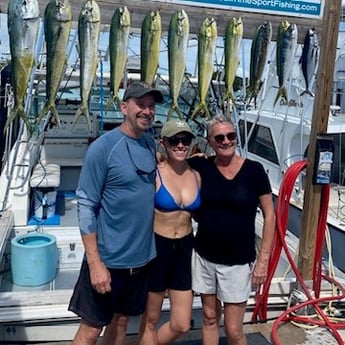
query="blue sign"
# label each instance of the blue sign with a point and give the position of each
(296, 8)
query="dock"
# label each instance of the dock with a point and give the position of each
(257, 334)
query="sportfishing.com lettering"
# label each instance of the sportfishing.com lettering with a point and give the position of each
(279, 4)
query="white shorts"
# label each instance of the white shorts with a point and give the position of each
(231, 284)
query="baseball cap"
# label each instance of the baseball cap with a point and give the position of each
(173, 127)
(139, 89)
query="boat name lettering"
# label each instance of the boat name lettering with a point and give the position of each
(292, 103)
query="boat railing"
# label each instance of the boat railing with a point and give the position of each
(26, 144)
(20, 160)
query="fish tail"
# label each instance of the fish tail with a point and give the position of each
(202, 109)
(55, 118)
(23, 115)
(113, 101)
(253, 92)
(196, 110)
(42, 113)
(174, 108)
(207, 112)
(17, 112)
(307, 92)
(82, 111)
(229, 96)
(282, 92)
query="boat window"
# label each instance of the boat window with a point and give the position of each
(241, 127)
(260, 141)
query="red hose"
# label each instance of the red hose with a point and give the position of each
(282, 211)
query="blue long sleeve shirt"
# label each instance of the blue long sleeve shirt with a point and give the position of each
(115, 197)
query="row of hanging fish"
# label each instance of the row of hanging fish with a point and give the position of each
(23, 27)
(286, 47)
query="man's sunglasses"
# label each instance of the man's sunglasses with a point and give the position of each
(175, 140)
(219, 139)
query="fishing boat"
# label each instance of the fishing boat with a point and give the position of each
(40, 244)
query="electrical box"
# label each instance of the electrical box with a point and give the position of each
(324, 152)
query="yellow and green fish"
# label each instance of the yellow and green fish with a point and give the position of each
(23, 25)
(151, 32)
(118, 45)
(232, 44)
(57, 28)
(89, 23)
(207, 41)
(178, 35)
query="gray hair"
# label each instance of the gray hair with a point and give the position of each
(219, 118)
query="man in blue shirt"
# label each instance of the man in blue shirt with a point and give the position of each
(115, 210)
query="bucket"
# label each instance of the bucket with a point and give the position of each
(44, 202)
(34, 259)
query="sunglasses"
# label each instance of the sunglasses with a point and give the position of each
(219, 139)
(175, 140)
(146, 169)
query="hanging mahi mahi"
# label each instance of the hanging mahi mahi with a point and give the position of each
(89, 23)
(150, 43)
(57, 27)
(177, 48)
(23, 25)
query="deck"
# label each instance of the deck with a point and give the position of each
(257, 334)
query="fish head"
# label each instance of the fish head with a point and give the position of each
(24, 9)
(208, 28)
(238, 26)
(292, 31)
(313, 37)
(310, 32)
(284, 25)
(125, 17)
(181, 22)
(267, 30)
(181, 15)
(63, 11)
(91, 12)
(154, 21)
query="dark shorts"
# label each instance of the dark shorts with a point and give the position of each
(171, 269)
(128, 295)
